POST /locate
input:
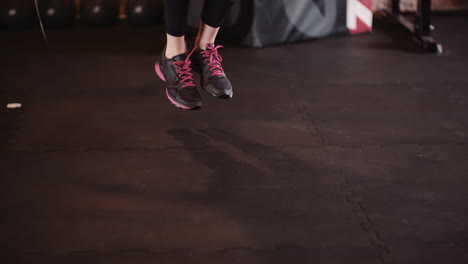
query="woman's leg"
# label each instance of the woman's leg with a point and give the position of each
(207, 60)
(212, 17)
(176, 12)
(174, 65)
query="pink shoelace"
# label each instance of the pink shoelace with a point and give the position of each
(213, 58)
(185, 72)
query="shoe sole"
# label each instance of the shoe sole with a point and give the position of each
(157, 68)
(224, 96)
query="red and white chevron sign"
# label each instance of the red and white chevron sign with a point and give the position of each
(359, 16)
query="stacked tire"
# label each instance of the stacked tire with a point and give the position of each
(57, 13)
(63, 13)
(144, 12)
(17, 13)
(99, 12)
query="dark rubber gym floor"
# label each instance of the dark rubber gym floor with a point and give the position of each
(341, 150)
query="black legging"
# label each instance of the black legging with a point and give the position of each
(177, 12)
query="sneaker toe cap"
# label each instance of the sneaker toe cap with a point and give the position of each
(221, 84)
(190, 95)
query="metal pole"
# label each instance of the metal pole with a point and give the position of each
(425, 17)
(396, 7)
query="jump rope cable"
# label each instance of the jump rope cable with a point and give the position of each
(40, 21)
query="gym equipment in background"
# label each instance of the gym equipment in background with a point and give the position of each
(99, 12)
(419, 26)
(144, 12)
(283, 21)
(17, 13)
(57, 13)
(236, 23)
(258, 23)
(238, 20)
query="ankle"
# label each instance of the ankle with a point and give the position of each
(201, 44)
(171, 52)
(175, 46)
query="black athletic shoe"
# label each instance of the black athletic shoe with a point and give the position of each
(180, 86)
(213, 79)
